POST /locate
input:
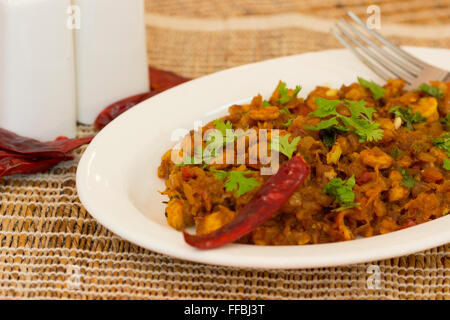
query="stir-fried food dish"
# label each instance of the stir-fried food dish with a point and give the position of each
(357, 161)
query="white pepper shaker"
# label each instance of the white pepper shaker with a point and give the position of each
(111, 54)
(37, 81)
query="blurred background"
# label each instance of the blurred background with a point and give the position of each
(196, 37)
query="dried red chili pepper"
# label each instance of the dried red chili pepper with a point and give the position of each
(10, 141)
(269, 199)
(25, 155)
(13, 165)
(160, 81)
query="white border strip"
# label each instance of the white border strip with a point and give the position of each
(282, 21)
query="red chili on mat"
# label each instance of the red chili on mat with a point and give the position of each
(269, 199)
(10, 141)
(25, 155)
(161, 80)
(13, 165)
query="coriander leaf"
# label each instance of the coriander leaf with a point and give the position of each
(446, 122)
(288, 123)
(285, 110)
(296, 91)
(408, 180)
(431, 91)
(186, 161)
(342, 191)
(443, 142)
(197, 158)
(236, 181)
(324, 124)
(407, 116)
(228, 137)
(396, 153)
(282, 145)
(377, 91)
(284, 93)
(325, 108)
(222, 126)
(266, 103)
(220, 174)
(366, 130)
(328, 137)
(446, 164)
(358, 108)
(359, 122)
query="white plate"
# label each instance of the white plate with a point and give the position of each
(118, 185)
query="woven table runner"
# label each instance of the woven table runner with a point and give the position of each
(51, 248)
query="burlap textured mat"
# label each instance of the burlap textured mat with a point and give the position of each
(50, 247)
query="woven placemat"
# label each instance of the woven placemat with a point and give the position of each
(50, 247)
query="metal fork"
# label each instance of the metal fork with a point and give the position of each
(388, 60)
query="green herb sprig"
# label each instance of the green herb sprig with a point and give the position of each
(430, 90)
(407, 116)
(443, 142)
(360, 121)
(408, 180)
(342, 192)
(236, 181)
(284, 93)
(282, 145)
(377, 91)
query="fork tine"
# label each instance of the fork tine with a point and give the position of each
(382, 62)
(380, 72)
(385, 53)
(388, 43)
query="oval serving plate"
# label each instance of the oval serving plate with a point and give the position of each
(118, 184)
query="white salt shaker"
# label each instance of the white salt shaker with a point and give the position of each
(111, 54)
(37, 82)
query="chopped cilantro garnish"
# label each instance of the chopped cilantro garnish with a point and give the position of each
(266, 103)
(195, 159)
(324, 124)
(236, 181)
(446, 122)
(366, 130)
(342, 192)
(360, 121)
(288, 123)
(285, 110)
(205, 156)
(443, 142)
(446, 164)
(408, 180)
(284, 93)
(326, 108)
(407, 116)
(396, 153)
(227, 137)
(431, 91)
(282, 145)
(328, 136)
(222, 126)
(377, 91)
(358, 109)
